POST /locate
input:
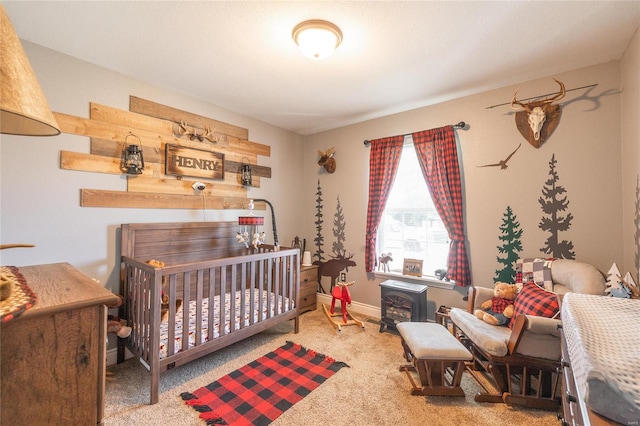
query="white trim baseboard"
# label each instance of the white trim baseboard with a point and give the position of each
(112, 355)
(361, 308)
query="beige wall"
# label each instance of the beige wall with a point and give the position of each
(586, 145)
(41, 203)
(630, 111)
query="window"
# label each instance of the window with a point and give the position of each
(411, 227)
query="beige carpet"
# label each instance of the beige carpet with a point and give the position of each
(371, 392)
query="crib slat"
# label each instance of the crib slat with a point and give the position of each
(199, 284)
(263, 277)
(243, 295)
(212, 296)
(223, 301)
(171, 317)
(186, 302)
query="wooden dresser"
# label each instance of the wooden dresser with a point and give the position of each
(308, 288)
(574, 410)
(53, 355)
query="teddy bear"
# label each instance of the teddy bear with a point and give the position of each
(164, 306)
(114, 324)
(117, 326)
(498, 310)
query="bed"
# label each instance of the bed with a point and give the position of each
(217, 292)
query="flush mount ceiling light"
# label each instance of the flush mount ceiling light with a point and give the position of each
(317, 39)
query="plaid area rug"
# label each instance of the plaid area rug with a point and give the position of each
(262, 390)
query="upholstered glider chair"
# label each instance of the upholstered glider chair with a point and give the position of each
(518, 364)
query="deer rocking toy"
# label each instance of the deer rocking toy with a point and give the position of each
(341, 292)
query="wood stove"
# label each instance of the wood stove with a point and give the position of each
(402, 302)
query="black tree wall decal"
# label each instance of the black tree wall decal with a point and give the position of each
(511, 247)
(338, 231)
(553, 203)
(319, 239)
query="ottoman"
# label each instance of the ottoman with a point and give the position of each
(437, 356)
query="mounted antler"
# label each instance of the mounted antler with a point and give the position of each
(537, 113)
(208, 135)
(192, 133)
(183, 130)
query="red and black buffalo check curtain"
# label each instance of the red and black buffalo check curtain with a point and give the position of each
(384, 158)
(438, 158)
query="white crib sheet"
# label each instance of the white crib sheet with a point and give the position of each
(277, 306)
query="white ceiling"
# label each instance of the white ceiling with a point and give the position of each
(395, 56)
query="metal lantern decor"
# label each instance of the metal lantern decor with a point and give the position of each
(132, 161)
(246, 175)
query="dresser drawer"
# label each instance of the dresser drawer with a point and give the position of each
(308, 274)
(308, 296)
(308, 287)
(571, 414)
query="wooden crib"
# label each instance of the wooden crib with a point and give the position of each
(228, 292)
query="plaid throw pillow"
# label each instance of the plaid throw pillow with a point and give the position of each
(536, 270)
(535, 301)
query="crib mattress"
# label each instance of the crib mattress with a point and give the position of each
(277, 305)
(604, 349)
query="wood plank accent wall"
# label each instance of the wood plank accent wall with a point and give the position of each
(157, 125)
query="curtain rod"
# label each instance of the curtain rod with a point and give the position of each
(460, 125)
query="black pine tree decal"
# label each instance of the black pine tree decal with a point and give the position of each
(511, 247)
(319, 240)
(553, 203)
(338, 231)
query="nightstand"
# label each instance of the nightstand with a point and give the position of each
(308, 288)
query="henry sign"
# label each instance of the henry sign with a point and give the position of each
(182, 161)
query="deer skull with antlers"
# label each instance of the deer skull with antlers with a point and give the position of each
(535, 114)
(327, 161)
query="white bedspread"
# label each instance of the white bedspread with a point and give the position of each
(204, 320)
(603, 341)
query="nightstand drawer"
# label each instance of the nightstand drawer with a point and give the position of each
(308, 287)
(308, 296)
(308, 274)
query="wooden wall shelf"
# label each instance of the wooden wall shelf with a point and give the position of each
(153, 200)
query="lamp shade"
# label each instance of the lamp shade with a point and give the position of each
(317, 39)
(23, 108)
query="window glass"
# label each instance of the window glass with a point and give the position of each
(411, 227)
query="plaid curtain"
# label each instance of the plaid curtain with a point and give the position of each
(384, 158)
(438, 157)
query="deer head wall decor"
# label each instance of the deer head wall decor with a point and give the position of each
(538, 119)
(327, 161)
